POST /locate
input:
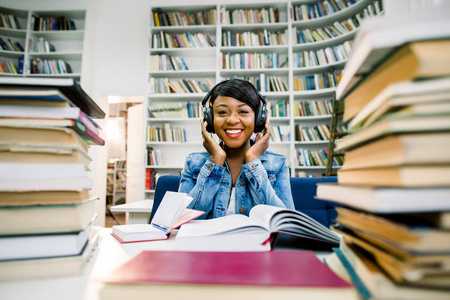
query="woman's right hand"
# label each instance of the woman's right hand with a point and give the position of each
(218, 155)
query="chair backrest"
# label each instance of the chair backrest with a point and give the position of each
(165, 183)
(303, 192)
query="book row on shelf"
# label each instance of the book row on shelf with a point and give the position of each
(117, 163)
(315, 133)
(49, 66)
(10, 45)
(163, 62)
(47, 210)
(166, 133)
(151, 178)
(37, 66)
(323, 56)
(254, 39)
(39, 44)
(176, 110)
(263, 84)
(279, 108)
(165, 86)
(315, 158)
(247, 60)
(313, 108)
(249, 16)
(317, 81)
(280, 133)
(7, 66)
(206, 17)
(164, 40)
(309, 35)
(319, 9)
(154, 157)
(52, 23)
(9, 21)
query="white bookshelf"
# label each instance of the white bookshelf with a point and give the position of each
(208, 63)
(68, 44)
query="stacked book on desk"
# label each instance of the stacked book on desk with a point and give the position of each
(46, 209)
(395, 183)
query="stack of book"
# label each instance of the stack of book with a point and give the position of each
(46, 210)
(395, 183)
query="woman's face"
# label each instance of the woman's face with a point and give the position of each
(234, 121)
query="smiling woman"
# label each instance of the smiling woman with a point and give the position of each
(234, 110)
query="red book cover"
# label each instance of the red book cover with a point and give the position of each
(273, 268)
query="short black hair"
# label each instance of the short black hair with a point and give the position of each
(238, 89)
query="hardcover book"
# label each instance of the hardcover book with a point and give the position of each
(171, 214)
(53, 267)
(69, 87)
(258, 232)
(225, 275)
(27, 219)
(386, 199)
(378, 37)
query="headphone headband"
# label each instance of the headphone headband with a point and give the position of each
(208, 95)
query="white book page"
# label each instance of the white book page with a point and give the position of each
(263, 214)
(226, 224)
(172, 205)
(135, 228)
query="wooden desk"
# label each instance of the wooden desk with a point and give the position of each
(138, 212)
(109, 255)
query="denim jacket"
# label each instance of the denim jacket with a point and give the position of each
(264, 180)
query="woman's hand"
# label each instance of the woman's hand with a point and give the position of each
(261, 144)
(218, 155)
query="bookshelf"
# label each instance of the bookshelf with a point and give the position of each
(259, 42)
(50, 42)
(116, 182)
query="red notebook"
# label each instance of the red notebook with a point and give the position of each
(274, 268)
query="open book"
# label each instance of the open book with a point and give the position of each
(171, 214)
(258, 232)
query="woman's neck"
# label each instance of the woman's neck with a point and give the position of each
(236, 154)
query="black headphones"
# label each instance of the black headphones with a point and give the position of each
(261, 113)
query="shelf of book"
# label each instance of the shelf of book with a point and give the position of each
(42, 43)
(257, 42)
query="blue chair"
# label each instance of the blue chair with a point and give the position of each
(165, 183)
(303, 192)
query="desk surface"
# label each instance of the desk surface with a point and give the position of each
(109, 255)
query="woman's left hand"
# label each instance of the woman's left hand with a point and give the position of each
(260, 146)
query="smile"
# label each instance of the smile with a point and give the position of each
(233, 131)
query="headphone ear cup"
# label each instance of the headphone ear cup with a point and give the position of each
(208, 118)
(260, 118)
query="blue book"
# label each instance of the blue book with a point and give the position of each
(365, 293)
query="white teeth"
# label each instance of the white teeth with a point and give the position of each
(233, 131)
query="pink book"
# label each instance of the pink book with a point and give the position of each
(274, 268)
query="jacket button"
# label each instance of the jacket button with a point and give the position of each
(252, 167)
(242, 182)
(242, 210)
(209, 167)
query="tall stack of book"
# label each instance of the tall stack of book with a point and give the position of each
(394, 186)
(46, 209)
